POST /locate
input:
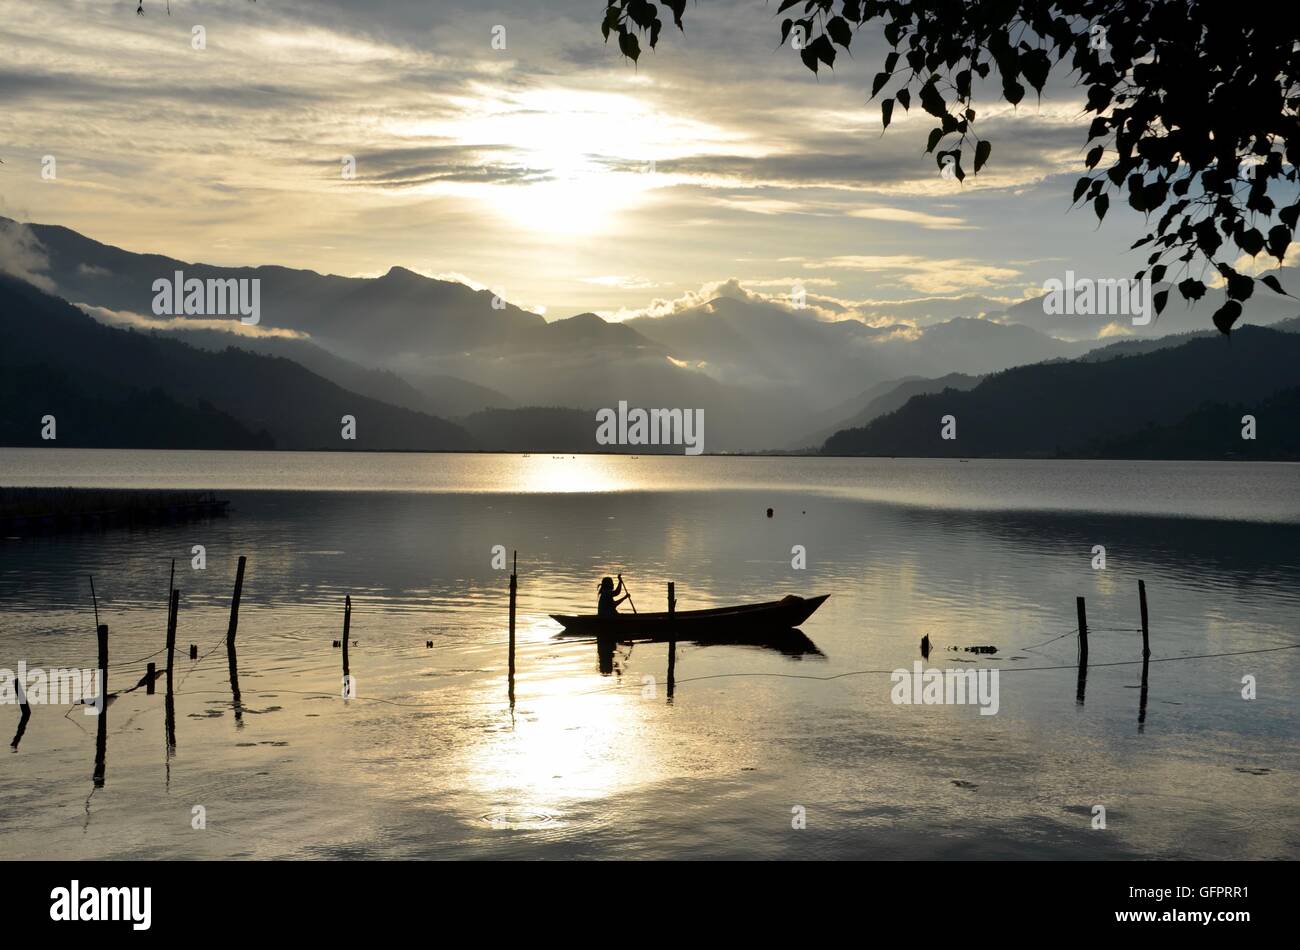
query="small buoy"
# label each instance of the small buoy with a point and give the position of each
(429, 644)
(769, 512)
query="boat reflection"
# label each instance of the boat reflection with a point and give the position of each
(793, 643)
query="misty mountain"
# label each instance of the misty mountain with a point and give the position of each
(93, 378)
(438, 395)
(373, 320)
(892, 398)
(534, 429)
(1087, 407)
(437, 335)
(450, 396)
(766, 376)
(1262, 309)
(767, 345)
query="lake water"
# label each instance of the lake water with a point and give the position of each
(595, 759)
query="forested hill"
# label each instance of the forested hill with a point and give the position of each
(113, 387)
(1180, 402)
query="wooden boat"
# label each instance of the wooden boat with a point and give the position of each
(718, 622)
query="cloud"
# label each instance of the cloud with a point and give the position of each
(23, 256)
(621, 281)
(1260, 264)
(933, 309)
(1114, 329)
(919, 218)
(925, 274)
(514, 165)
(140, 321)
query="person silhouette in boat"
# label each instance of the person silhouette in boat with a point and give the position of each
(609, 599)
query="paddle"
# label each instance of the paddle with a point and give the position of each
(627, 591)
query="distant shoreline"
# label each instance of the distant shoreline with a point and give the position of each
(661, 455)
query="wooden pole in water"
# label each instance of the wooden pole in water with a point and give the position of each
(101, 735)
(347, 629)
(150, 672)
(1083, 630)
(169, 704)
(514, 588)
(173, 609)
(1083, 646)
(102, 636)
(25, 711)
(672, 643)
(1142, 605)
(234, 602)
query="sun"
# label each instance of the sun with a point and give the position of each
(580, 158)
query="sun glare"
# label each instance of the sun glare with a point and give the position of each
(581, 157)
(570, 473)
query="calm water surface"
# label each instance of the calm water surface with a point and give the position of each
(595, 759)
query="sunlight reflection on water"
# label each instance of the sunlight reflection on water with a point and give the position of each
(430, 759)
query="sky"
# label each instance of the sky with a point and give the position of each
(553, 171)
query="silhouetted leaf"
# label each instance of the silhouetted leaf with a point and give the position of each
(1098, 98)
(1273, 284)
(931, 101)
(886, 112)
(630, 45)
(1240, 287)
(1226, 316)
(839, 30)
(825, 50)
(1035, 66)
(1251, 241)
(982, 151)
(679, 8)
(1279, 238)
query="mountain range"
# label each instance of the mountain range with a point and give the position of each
(436, 364)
